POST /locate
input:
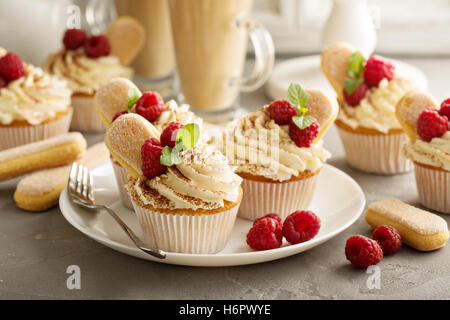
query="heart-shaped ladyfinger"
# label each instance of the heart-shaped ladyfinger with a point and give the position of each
(126, 36)
(323, 108)
(112, 97)
(409, 108)
(334, 65)
(124, 139)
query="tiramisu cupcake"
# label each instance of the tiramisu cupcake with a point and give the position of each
(120, 96)
(185, 194)
(428, 127)
(279, 153)
(367, 92)
(87, 63)
(33, 104)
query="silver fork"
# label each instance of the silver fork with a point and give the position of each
(81, 192)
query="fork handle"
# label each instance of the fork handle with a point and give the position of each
(157, 253)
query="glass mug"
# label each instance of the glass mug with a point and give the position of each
(210, 39)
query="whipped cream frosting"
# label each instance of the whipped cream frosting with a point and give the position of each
(377, 109)
(84, 74)
(178, 113)
(257, 145)
(35, 97)
(435, 153)
(203, 180)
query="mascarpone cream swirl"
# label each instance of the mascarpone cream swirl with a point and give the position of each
(435, 153)
(83, 74)
(257, 145)
(176, 113)
(203, 180)
(35, 97)
(377, 109)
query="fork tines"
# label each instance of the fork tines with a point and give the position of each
(80, 183)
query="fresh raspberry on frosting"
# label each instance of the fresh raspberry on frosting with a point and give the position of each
(376, 69)
(169, 134)
(265, 234)
(281, 111)
(274, 216)
(388, 238)
(301, 226)
(74, 38)
(431, 124)
(303, 137)
(445, 108)
(356, 96)
(150, 155)
(97, 46)
(11, 67)
(3, 83)
(150, 105)
(118, 114)
(362, 251)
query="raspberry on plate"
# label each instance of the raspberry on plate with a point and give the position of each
(445, 108)
(281, 111)
(301, 226)
(265, 234)
(118, 114)
(150, 105)
(97, 46)
(150, 155)
(376, 69)
(303, 137)
(274, 216)
(362, 251)
(431, 124)
(388, 238)
(74, 38)
(11, 67)
(169, 134)
(356, 96)
(3, 83)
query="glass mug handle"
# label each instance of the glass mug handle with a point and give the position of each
(264, 56)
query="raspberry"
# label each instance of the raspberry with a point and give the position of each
(97, 46)
(3, 83)
(74, 38)
(376, 69)
(303, 137)
(431, 124)
(388, 238)
(11, 67)
(265, 234)
(150, 105)
(445, 108)
(357, 95)
(169, 135)
(281, 111)
(301, 226)
(150, 154)
(274, 216)
(118, 114)
(362, 251)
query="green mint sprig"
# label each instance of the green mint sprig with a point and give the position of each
(133, 97)
(355, 69)
(298, 98)
(186, 139)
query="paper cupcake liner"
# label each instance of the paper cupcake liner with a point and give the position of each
(85, 117)
(382, 154)
(122, 178)
(434, 188)
(261, 198)
(202, 233)
(11, 137)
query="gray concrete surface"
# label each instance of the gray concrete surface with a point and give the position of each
(37, 248)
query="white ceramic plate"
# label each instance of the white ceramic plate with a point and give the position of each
(338, 201)
(306, 71)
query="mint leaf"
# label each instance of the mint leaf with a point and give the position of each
(170, 157)
(303, 122)
(355, 64)
(188, 135)
(350, 85)
(133, 97)
(297, 97)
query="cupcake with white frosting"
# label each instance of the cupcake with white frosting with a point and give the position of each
(33, 104)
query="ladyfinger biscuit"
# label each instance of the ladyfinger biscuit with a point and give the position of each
(419, 229)
(40, 191)
(112, 97)
(125, 138)
(40, 155)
